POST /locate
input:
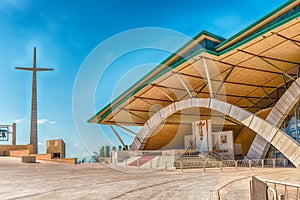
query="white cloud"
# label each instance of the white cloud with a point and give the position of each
(40, 144)
(42, 121)
(18, 121)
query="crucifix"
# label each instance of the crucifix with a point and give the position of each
(33, 123)
(200, 125)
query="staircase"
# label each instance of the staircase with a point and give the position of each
(203, 160)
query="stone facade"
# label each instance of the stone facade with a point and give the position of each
(56, 148)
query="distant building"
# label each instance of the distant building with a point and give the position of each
(56, 148)
(107, 151)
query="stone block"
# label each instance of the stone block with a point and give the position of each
(292, 147)
(167, 111)
(259, 139)
(274, 117)
(200, 103)
(143, 133)
(154, 121)
(279, 140)
(239, 114)
(18, 153)
(181, 105)
(135, 144)
(220, 106)
(28, 159)
(248, 120)
(253, 154)
(286, 102)
(267, 131)
(255, 124)
(295, 155)
(163, 113)
(259, 143)
(295, 90)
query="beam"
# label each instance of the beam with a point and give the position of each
(296, 42)
(133, 114)
(267, 95)
(222, 84)
(150, 104)
(164, 93)
(118, 136)
(152, 99)
(208, 77)
(270, 58)
(183, 84)
(126, 129)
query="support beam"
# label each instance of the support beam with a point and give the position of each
(284, 81)
(152, 99)
(267, 95)
(253, 103)
(118, 136)
(127, 110)
(208, 77)
(296, 42)
(126, 129)
(270, 58)
(164, 93)
(150, 104)
(222, 84)
(183, 84)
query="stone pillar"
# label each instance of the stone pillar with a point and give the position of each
(14, 132)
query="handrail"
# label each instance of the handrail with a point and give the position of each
(281, 183)
(274, 193)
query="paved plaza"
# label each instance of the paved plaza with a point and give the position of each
(94, 181)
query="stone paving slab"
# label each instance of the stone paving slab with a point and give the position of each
(47, 180)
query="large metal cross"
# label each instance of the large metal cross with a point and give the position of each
(33, 124)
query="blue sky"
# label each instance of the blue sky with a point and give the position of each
(65, 32)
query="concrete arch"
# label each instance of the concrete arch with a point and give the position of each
(283, 107)
(270, 133)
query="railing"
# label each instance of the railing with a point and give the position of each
(282, 190)
(255, 163)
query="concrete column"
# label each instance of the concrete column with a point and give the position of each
(14, 132)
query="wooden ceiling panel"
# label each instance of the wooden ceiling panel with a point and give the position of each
(155, 93)
(286, 51)
(249, 76)
(244, 103)
(125, 118)
(237, 58)
(259, 64)
(291, 30)
(277, 81)
(235, 89)
(264, 44)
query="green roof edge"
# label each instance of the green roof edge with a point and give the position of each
(255, 23)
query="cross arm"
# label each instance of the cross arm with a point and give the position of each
(25, 68)
(44, 69)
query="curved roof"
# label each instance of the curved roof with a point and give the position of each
(251, 70)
